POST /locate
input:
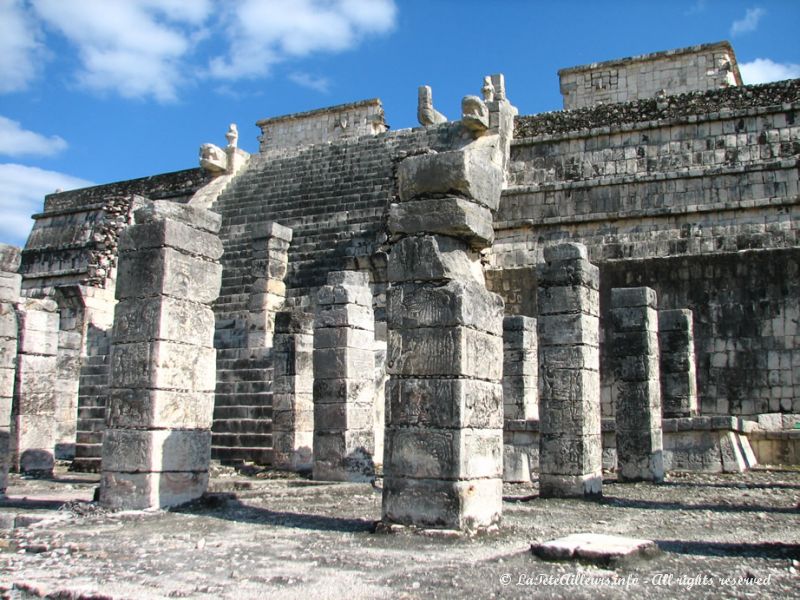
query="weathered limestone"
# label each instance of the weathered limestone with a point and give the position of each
(634, 356)
(426, 114)
(520, 368)
(570, 443)
(9, 296)
(344, 364)
(678, 377)
(33, 414)
(444, 411)
(520, 396)
(293, 391)
(270, 261)
(157, 445)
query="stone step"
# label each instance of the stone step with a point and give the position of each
(242, 427)
(239, 411)
(85, 464)
(262, 399)
(259, 456)
(248, 440)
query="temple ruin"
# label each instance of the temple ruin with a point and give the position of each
(500, 297)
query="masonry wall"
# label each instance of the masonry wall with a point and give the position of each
(698, 68)
(697, 199)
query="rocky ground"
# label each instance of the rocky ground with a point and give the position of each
(262, 535)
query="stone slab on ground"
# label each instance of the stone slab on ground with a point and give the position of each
(595, 547)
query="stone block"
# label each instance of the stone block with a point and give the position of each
(568, 330)
(32, 442)
(343, 416)
(143, 408)
(569, 416)
(454, 454)
(444, 403)
(569, 384)
(596, 548)
(10, 258)
(570, 357)
(569, 454)
(638, 318)
(445, 351)
(464, 303)
(640, 456)
(459, 172)
(345, 294)
(568, 273)
(272, 229)
(344, 456)
(345, 315)
(519, 323)
(343, 337)
(168, 272)
(675, 320)
(677, 385)
(9, 328)
(7, 377)
(568, 299)
(163, 318)
(344, 363)
(160, 210)
(552, 485)
(565, 251)
(352, 278)
(144, 451)
(163, 365)
(633, 368)
(138, 491)
(452, 216)
(634, 342)
(10, 284)
(460, 505)
(633, 297)
(359, 391)
(294, 322)
(170, 234)
(433, 258)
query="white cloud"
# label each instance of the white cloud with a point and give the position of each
(22, 191)
(764, 70)
(749, 22)
(320, 84)
(16, 141)
(135, 48)
(265, 32)
(19, 47)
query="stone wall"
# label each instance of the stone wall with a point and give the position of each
(285, 134)
(700, 204)
(709, 66)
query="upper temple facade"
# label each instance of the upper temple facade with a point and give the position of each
(673, 175)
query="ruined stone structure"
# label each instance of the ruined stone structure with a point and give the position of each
(665, 173)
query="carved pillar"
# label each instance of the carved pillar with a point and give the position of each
(267, 294)
(444, 408)
(33, 415)
(9, 296)
(678, 376)
(520, 368)
(344, 365)
(157, 446)
(570, 444)
(633, 350)
(292, 391)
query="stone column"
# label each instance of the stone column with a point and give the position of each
(33, 414)
(157, 446)
(678, 376)
(633, 351)
(570, 443)
(344, 363)
(444, 439)
(267, 294)
(292, 391)
(520, 369)
(9, 296)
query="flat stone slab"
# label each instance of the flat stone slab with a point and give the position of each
(594, 547)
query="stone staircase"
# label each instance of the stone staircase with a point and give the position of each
(92, 393)
(242, 429)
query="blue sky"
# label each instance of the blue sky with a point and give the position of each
(95, 91)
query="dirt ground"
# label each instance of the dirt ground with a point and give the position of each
(264, 535)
